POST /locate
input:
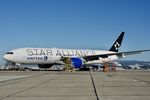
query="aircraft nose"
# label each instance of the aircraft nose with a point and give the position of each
(8, 57)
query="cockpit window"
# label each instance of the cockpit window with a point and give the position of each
(9, 53)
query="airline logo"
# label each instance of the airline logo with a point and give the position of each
(37, 58)
(58, 52)
(117, 45)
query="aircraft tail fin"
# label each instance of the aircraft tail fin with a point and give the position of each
(117, 43)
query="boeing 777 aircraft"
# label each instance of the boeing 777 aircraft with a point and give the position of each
(46, 57)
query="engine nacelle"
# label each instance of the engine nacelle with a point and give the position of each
(77, 62)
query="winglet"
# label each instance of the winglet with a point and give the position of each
(117, 43)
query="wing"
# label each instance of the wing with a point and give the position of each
(118, 54)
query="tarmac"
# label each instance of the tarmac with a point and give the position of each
(50, 85)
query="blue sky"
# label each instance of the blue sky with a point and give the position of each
(93, 24)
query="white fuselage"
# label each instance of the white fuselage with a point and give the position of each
(53, 55)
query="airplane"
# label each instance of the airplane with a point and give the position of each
(47, 57)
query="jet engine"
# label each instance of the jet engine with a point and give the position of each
(77, 62)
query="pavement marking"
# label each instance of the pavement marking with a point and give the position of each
(97, 98)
